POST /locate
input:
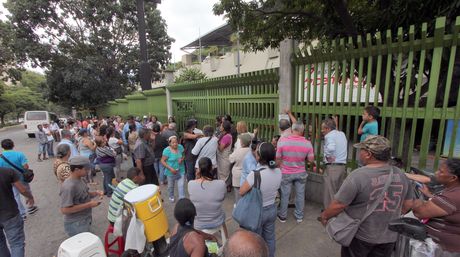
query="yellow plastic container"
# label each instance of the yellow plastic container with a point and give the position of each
(146, 200)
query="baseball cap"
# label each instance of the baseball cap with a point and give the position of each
(374, 144)
(79, 161)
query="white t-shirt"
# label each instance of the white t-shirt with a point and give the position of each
(209, 150)
(49, 137)
(270, 181)
(113, 143)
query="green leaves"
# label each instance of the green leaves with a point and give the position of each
(190, 74)
(89, 47)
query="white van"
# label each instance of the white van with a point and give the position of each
(34, 118)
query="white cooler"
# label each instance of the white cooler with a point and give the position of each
(82, 245)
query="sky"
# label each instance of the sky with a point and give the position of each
(186, 20)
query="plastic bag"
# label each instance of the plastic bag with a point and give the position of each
(118, 225)
(423, 249)
(135, 237)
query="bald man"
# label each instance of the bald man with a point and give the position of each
(245, 243)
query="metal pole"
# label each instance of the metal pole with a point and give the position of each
(144, 69)
(238, 51)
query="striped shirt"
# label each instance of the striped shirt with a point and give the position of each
(293, 150)
(117, 198)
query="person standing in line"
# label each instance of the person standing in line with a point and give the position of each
(11, 223)
(223, 151)
(132, 137)
(106, 161)
(87, 148)
(50, 138)
(189, 141)
(362, 189)
(335, 158)
(42, 143)
(291, 154)
(55, 130)
(76, 199)
(61, 165)
(116, 144)
(19, 160)
(67, 140)
(369, 125)
(126, 128)
(237, 158)
(160, 144)
(270, 181)
(173, 161)
(249, 161)
(206, 147)
(145, 156)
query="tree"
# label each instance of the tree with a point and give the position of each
(24, 99)
(90, 47)
(8, 59)
(190, 74)
(33, 80)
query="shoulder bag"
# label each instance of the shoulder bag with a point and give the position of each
(248, 210)
(28, 174)
(343, 228)
(195, 157)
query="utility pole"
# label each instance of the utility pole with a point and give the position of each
(144, 68)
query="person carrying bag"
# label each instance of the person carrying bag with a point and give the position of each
(343, 228)
(28, 174)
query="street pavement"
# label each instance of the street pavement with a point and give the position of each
(45, 230)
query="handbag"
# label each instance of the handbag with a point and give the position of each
(248, 210)
(27, 174)
(343, 228)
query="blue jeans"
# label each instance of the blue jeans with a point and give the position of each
(298, 180)
(180, 184)
(267, 229)
(190, 170)
(107, 170)
(42, 148)
(13, 229)
(76, 227)
(49, 148)
(160, 169)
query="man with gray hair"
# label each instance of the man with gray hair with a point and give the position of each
(291, 154)
(145, 156)
(170, 131)
(245, 243)
(66, 137)
(335, 158)
(285, 124)
(206, 146)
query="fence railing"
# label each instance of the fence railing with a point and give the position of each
(410, 77)
(251, 97)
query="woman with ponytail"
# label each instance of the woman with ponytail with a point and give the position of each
(269, 185)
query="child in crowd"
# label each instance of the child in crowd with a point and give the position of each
(369, 125)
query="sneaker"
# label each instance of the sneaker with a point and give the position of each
(171, 199)
(32, 210)
(281, 219)
(299, 220)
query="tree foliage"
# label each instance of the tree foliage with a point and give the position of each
(89, 47)
(190, 74)
(265, 23)
(8, 59)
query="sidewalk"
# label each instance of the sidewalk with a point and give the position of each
(307, 239)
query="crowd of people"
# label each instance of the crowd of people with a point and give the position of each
(206, 164)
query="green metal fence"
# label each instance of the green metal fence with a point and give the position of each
(251, 97)
(410, 77)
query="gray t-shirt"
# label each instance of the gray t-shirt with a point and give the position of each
(361, 189)
(143, 151)
(208, 198)
(74, 192)
(270, 181)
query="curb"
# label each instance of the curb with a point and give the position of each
(11, 127)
